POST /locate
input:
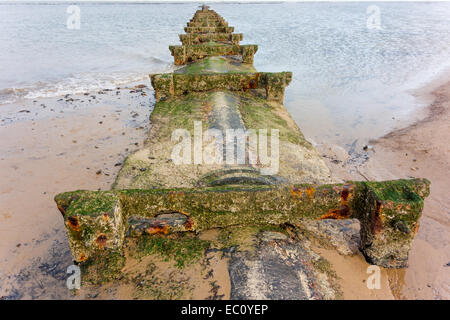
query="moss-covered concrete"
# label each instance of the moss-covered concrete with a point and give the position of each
(207, 23)
(192, 38)
(152, 166)
(209, 35)
(216, 65)
(214, 29)
(94, 221)
(178, 84)
(183, 249)
(193, 52)
(388, 223)
(104, 266)
(220, 89)
(263, 114)
(389, 213)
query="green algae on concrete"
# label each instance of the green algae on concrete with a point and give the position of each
(389, 213)
(104, 266)
(189, 53)
(192, 38)
(216, 64)
(93, 220)
(209, 35)
(258, 113)
(220, 29)
(177, 84)
(183, 249)
(161, 207)
(153, 167)
(225, 206)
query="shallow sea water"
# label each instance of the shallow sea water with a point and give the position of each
(349, 81)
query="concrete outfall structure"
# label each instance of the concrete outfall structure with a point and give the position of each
(207, 35)
(160, 201)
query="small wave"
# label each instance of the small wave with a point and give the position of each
(82, 84)
(74, 85)
(9, 95)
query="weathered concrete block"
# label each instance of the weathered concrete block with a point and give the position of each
(94, 222)
(207, 23)
(192, 38)
(275, 84)
(210, 19)
(163, 85)
(168, 85)
(247, 52)
(388, 211)
(209, 29)
(209, 14)
(184, 54)
(277, 268)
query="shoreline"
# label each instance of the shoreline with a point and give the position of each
(54, 145)
(417, 150)
(425, 144)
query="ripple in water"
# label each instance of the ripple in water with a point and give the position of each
(349, 83)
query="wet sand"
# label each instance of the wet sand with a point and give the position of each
(353, 276)
(51, 146)
(423, 150)
(419, 150)
(78, 142)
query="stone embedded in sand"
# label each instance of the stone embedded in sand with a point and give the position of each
(272, 236)
(281, 269)
(343, 235)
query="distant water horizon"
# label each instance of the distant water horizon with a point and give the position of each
(348, 80)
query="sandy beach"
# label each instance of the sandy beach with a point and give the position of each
(419, 150)
(422, 150)
(53, 145)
